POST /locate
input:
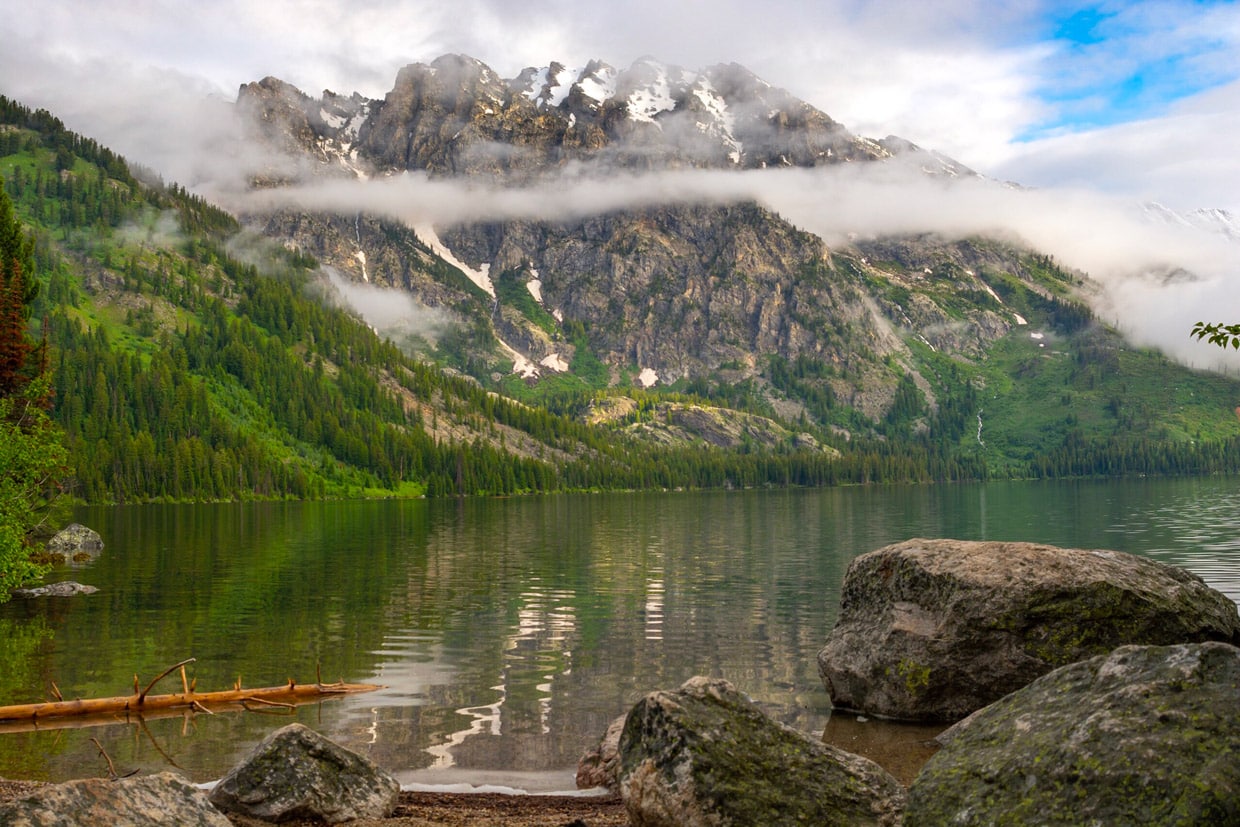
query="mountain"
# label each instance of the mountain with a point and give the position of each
(708, 295)
(457, 116)
(667, 292)
(702, 342)
(1212, 221)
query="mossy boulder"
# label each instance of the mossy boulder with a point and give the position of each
(76, 539)
(295, 773)
(1143, 735)
(706, 755)
(935, 629)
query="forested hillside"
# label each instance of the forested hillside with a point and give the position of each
(183, 372)
(192, 361)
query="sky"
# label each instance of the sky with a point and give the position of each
(1101, 103)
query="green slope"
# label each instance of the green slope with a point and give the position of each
(193, 363)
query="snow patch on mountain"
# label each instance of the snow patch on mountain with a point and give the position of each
(555, 362)
(597, 82)
(332, 119)
(723, 124)
(1212, 221)
(520, 363)
(481, 276)
(651, 92)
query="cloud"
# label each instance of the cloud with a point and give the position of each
(154, 81)
(389, 310)
(964, 77)
(1129, 254)
(1183, 159)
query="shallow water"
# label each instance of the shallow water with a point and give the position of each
(509, 632)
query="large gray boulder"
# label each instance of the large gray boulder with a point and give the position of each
(295, 773)
(146, 801)
(76, 539)
(1143, 735)
(705, 755)
(935, 629)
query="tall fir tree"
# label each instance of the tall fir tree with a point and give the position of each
(32, 454)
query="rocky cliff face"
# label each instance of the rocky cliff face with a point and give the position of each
(659, 294)
(457, 116)
(682, 290)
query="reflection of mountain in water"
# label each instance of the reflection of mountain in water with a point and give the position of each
(509, 633)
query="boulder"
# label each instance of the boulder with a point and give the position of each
(935, 629)
(67, 588)
(295, 773)
(76, 539)
(145, 801)
(1143, 735)
(706, 755)
(600, 764)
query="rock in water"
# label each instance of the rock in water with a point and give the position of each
(297, 773)
(76, 538)
(147, 801)
(706, 755)
(1143, 735)
(66, 588)
(935, 629)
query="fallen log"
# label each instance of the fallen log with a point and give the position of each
(142, 702)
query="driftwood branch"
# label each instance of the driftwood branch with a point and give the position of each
(142, 702)
(163, 675)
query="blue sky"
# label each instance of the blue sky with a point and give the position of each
(1122, 62)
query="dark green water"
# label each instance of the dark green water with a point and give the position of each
(510, 632)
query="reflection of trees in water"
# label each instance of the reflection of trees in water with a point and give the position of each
(21, 664)
(511, 632)
(23, 680)
(555, 622)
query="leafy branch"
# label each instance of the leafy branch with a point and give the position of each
(1223, 335)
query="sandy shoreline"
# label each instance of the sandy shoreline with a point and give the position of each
(422, 809)
(901, 750)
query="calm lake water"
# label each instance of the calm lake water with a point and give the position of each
(508, 633)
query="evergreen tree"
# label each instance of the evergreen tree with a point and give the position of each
(32, 456)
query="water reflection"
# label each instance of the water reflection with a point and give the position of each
(510, 632)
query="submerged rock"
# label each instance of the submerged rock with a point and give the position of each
(146, 801)
(935, 629)
(67, 588)
(705, 755)
(1143, 735)
(295, 773)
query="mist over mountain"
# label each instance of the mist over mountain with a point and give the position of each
(461, 153)
(669, 277)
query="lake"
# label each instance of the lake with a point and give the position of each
(508, 632)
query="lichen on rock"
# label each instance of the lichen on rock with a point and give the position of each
(297, 773)
(1143, 735)
(706, 755)
(935, 629)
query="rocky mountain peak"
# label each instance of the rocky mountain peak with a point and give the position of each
(457, 116)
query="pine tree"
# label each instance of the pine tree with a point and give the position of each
(32, 456)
